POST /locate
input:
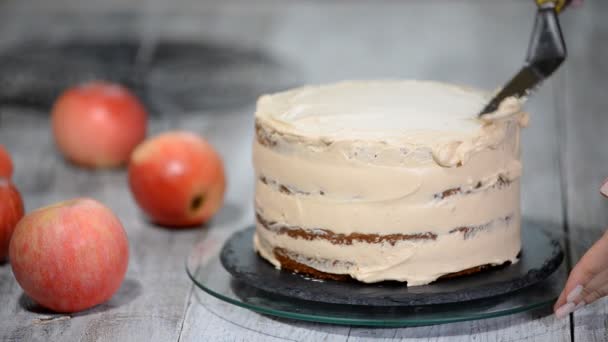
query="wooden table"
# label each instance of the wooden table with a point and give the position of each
(565, 149)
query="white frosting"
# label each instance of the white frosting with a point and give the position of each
(375, 158)
(507, 108)
(377, 110)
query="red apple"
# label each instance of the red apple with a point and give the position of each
(6, 164)
(98, 124)
(11, 211)
(70, 256)
(178, 179)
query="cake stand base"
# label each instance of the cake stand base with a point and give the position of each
(244, 279)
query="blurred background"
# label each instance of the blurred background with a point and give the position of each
(201, 64)
(186, 55)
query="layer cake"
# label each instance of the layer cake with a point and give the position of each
(386, 180)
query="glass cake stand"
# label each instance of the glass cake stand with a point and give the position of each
(207, 272)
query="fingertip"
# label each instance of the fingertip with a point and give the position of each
(557, 305)
(573, 296)
(565, 310)
(573, 289)
(561, 300)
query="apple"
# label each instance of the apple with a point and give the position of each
(177, 179)
(11, 211)
(69, 256)
(98, 124)
(6, 164)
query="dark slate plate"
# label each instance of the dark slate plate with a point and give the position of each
(541, 256)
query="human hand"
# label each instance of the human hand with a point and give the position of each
(588, 280)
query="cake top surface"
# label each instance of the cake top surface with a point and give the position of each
(375, 110)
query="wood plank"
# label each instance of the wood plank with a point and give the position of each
(513, 328)
(226, 322)
(584, 140)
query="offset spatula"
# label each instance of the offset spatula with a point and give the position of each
(546, 52)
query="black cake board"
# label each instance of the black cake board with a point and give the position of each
(540, 257)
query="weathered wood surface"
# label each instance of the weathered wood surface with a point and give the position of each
(472, 42)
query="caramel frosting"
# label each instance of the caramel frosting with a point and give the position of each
(388, 158)
(418, 262)
(412, 117)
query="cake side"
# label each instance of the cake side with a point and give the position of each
(416, 260)
(329, 188)
(397, 206)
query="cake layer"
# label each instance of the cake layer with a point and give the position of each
(433, 215)
(288, 262)
(345, 180)
(369, 127)
(417, 261)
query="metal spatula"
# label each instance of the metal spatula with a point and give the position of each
(546, 52)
